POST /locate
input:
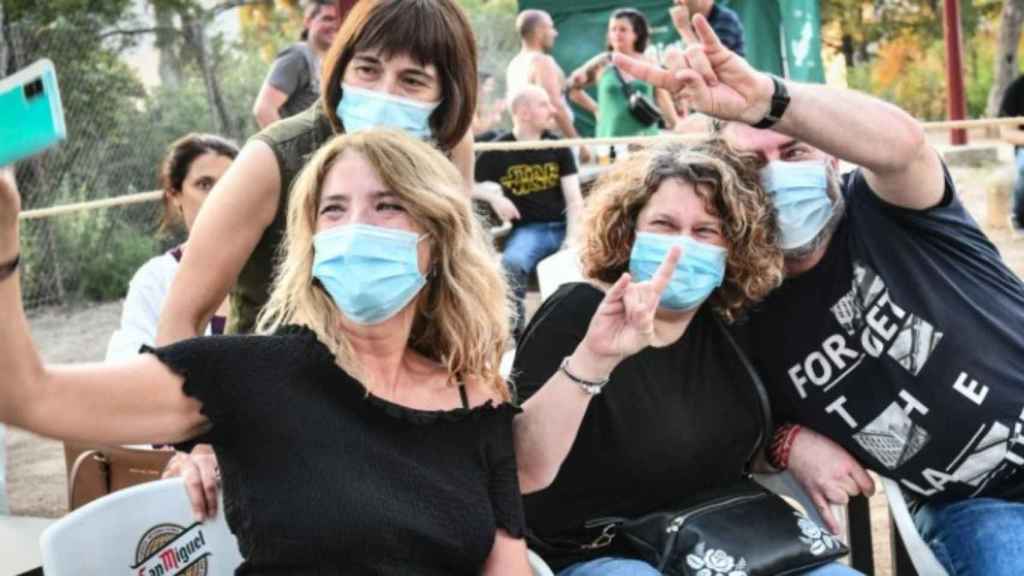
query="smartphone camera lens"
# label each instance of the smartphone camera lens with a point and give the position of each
(34, 88)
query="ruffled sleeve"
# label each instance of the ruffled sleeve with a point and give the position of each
(506, 500)
(202, 363)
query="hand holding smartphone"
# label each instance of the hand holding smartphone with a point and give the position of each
(31, 114)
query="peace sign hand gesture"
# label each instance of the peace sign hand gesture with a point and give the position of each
(624, 321)
(710, 77)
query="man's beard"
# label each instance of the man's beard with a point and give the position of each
(821, 238)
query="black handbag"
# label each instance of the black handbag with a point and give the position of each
(641, 107)
(741, 529)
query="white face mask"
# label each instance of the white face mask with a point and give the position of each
(361, 109)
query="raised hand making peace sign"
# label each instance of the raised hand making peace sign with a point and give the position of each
(710, 77)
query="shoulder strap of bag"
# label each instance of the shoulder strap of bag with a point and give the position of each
(627, 90)
(760, 392)
(89, 478)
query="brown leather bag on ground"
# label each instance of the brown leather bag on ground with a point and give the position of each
(99, 470)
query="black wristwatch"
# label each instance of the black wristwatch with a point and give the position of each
(780, 101)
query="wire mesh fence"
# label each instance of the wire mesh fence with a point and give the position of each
(118, 132)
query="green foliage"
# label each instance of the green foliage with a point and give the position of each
(90, 255)
(110, 253)
(118, 134)
(100, 11)
(494, 23)
(898, 51)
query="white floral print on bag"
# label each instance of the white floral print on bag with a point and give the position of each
(712, 562)
(814, 536)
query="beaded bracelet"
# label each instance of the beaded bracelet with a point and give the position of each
(9, 268)
(782, 442)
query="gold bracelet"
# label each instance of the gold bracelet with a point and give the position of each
(7, 270)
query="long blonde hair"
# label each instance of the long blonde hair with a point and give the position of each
(462, 314)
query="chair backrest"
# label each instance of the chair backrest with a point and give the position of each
(145, 529)
(920, 553)
(560, 268)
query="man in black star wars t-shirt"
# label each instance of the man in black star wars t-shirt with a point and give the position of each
(537, 189)
(898, 335)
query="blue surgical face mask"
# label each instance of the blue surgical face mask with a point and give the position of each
(370, 272)
(700, 269)
(799, 191)
(361, 109)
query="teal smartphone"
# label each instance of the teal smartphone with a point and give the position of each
(31, 115)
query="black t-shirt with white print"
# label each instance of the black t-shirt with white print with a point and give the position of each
(905, 344)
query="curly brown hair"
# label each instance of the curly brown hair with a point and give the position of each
(728, 182)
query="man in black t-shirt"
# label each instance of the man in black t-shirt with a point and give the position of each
(896, 340)
(538, 190)
(1013, 105)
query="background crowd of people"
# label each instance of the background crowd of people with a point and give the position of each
(356, 402)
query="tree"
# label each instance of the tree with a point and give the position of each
(3, 44)
(1006, 67)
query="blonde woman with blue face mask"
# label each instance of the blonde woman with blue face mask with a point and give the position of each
(635, 400)
(366, 428)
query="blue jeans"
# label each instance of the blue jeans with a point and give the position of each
(528, 244)
(1018, 191)
(626, 567)
(982, 536)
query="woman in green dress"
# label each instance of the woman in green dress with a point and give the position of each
(628, 33)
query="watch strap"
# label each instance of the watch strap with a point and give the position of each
(779, 103)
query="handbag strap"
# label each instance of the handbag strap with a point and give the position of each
(627, 90)
(768, 427)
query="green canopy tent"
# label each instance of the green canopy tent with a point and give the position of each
(782, 36)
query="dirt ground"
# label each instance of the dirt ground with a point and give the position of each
(35, 466)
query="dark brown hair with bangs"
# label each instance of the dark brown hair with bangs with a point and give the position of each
(431, 32)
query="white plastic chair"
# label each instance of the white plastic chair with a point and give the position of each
(132, 531)
(560, 268)
(537, 564)
(921, 555)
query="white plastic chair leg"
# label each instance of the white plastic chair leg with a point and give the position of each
(921, 555)
(537, 564)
